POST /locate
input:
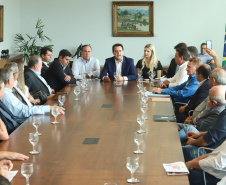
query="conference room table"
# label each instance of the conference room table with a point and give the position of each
(92, 141)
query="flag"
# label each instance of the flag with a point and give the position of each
(224, 55)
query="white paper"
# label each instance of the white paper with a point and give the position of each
(150, 94)
(11, 175)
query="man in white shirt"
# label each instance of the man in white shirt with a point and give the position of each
(213, 163)
(182, 56)
(86, 65)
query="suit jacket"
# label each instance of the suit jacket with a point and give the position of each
(128, 68)
(9, 121)
(200, 95)
(17, 94)
(55, 76)
(172, 69)
(34, 83)
(208, 118)
(44, 69)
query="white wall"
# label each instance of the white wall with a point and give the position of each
(72, 22)
(11, 23)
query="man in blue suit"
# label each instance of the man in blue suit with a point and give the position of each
(119, 64)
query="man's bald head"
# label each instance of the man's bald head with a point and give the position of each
(218, 77)
(217, 93)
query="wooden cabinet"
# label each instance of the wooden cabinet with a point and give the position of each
(11, 57)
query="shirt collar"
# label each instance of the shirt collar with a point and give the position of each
(186, 63)
(8, 90)
(84, 61)
(200, 83)
(37, 73)
(119, 61)
(46, 63)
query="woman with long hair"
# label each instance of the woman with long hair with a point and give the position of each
(149, 63)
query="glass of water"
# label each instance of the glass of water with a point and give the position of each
(77, 92)
(33, 139)
(138, 139)
(140, 121)
(27, 171)
(55, 113)
(132, 165)
(36, 122)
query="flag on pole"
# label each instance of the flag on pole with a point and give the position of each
(224, 55)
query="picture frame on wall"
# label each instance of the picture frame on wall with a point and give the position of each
(133, 18)
(1, 23)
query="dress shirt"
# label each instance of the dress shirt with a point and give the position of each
(22, 94)
(180, 77)
(215, 163)
(184, 92)
(43, 80)
(45, 63)
(119, 69)
(18, 109)
(80, 66)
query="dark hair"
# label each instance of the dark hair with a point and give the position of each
(44, 50)
(193, 51)
(179, 45)
(183, 52)
(203, 44)
(33, 60)
(64, 53)
(85, 46)
(1, 81)
(115, 45)
(4, 181)
(204, 70)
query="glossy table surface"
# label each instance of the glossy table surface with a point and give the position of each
(107, 111)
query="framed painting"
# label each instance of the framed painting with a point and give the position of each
(1, 23)
(133, 18)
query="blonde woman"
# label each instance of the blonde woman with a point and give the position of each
(149, 63)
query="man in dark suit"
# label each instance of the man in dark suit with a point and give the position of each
(33, 78)
(5, 115)
(202, 75)
(46, 54)
(59, 74)
(119, 64)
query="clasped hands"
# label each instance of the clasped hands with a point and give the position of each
(107, 79)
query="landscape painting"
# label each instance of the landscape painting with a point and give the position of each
(133, 19)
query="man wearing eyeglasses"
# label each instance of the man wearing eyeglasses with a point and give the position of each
(204, 56)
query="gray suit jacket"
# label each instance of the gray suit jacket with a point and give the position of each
(206, 119)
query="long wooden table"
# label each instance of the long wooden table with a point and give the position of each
(64, 159)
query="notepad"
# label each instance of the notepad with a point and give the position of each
(164, 118)
(161, 99)
(150, 94)
(177, 168)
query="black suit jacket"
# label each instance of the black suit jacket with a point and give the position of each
(55, 76)
(171, 69)
(34, 83)
(8, 121)
(201, 94)
(44, 69)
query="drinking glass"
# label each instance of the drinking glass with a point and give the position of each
(144, 98)
(61, 99)
(138, 139)
(83, 85)
(55, 113)
(151, 76)
(140, 121)
(139, 85)
(33, 139)
(27, 171)
(36, 123)
(77, 92)
(132, 164)
(115, 76)
(144, 108)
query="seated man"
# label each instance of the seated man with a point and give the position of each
(173, 67)
(204, 56)
(33, 79)
(86, 64)
(59, 74)
(207, 118)
(193, 51)
(212, 163)
(182, 56)
(6, 118)
(212, 138)
(20, 111)
(123, 66)
(184, 92)
(202, 75)
(46, 54)
(217, 77)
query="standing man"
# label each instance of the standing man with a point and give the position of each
(59, 74)
(86, 64)
(123, 66)
(204, 56)
(46, 54)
